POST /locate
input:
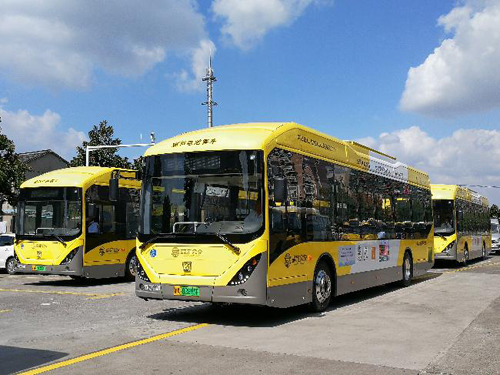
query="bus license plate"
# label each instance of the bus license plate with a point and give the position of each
(38, 268)
(187, 291)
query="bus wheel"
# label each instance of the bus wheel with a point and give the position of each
(322, 288)
(10, 266)
(131, 266)
(407, 270)
(466, 256)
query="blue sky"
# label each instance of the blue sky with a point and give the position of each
(416, 79)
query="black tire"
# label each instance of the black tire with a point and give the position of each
(407, 269)
(466, 256)
(322, 288)
(11, 265)
(131, 266)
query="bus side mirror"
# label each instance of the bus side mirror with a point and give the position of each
(113, 189)
(280, 189)
(91, 210)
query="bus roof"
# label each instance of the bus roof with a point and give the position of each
(292, 136)
(440, 191)
(74, 176)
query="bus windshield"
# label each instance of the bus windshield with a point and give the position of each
(444, 222)
(46, 212)
(202, 193)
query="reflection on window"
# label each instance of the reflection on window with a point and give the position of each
(328, 201)
(203, 193)
(49, 211)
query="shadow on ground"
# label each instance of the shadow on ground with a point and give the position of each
(451, 265)
(261, 316)
(83, 282)
(14, 359)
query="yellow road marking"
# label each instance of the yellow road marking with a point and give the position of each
(115, 349)
(5, 311)
(473, 267)
(90, 295)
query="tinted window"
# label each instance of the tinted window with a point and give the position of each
(332, 202)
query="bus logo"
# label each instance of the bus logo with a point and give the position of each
(152, 253)
(186, 266)
(38, 255)
(175, 252)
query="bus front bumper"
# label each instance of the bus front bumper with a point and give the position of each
(446, 255)
(253, 291)
(226, 294)
(73, 268)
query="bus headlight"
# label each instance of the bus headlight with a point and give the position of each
(70, 256)
(244, 273)
(449, 247)
(141, 273)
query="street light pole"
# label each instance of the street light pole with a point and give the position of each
(89, 149)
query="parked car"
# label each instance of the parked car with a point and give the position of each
(495, 236)
(7, 259)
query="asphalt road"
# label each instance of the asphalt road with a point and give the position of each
(444, 323)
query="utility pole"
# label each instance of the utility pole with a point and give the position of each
(89, 149)
(210, 79)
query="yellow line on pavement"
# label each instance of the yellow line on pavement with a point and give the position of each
(5, 311)
(473, 267)
(115, 349)
(91, 295)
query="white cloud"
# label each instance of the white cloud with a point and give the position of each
(39, 132)
(461, 75)
(199, 62)
(247, 22)
(60, 43)
(467, 156)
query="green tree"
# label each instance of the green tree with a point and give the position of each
(100, 135)
(138, 164)
(495, 211)
(12, 171)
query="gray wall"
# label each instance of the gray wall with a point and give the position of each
(44, 164)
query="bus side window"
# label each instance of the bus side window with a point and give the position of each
(108, 219)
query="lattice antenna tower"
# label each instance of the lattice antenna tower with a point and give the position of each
(209, 79)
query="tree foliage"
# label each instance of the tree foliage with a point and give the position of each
(12, 171)
(138, 164)
(495, 211)
(102, 134)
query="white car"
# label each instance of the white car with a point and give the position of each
(7, 259)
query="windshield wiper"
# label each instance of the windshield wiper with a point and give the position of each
(157, 237)
(52, 235)
(224, 239)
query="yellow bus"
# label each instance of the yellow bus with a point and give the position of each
(79, 222)
(277, 214)
(461, 223)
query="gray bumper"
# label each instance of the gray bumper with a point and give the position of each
(253, 291)
(441, 256)
(73, 268)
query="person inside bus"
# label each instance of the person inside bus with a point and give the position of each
(93, 226)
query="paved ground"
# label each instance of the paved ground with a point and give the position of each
(445, 323)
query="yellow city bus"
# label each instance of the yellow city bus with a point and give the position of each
(461, 223)
(79, 222)
(277, 214)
